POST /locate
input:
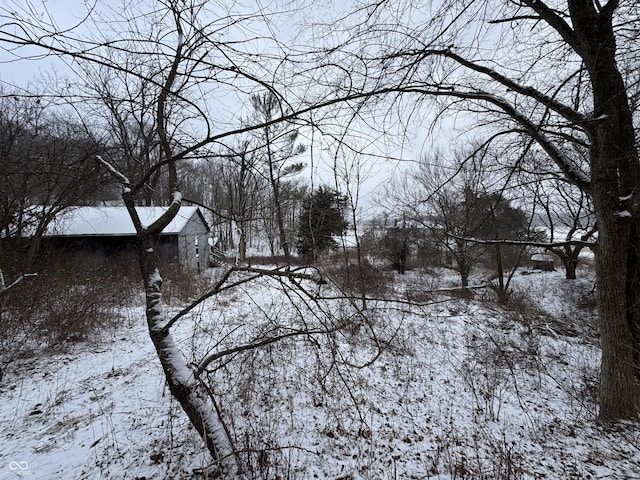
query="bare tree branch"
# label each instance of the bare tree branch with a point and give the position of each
(580, 243)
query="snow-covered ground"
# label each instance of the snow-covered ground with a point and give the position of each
(449, 389)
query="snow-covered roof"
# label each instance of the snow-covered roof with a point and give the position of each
(347, 240)
(542, 257)
(113, 221)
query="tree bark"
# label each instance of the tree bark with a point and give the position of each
(617, 386)
(615, 173)
(570, 265)
(615, 176)
(275, 186)
(181, 379)
(464, 270)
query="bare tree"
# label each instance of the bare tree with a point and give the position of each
(562, 89)
(175, 66)
(243, 193)
(227, 187)
(173, 60)
(194, 64)
(46, 165)
(568, 216)
(280, 147)
(443, 198)
(126, 109)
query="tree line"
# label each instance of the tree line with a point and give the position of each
(49, 164)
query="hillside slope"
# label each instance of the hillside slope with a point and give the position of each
(454, 388)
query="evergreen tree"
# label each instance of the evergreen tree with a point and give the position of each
(322, 217)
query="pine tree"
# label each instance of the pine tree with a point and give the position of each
(322, 217)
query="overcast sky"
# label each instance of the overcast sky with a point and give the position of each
(376, 171)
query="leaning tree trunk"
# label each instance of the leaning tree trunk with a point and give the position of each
(181, 378)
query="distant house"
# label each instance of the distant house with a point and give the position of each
(109, 231)
(542, 261)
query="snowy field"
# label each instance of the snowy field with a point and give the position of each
(450, 388)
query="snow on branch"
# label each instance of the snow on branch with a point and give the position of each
(527, 243)
(115, 172)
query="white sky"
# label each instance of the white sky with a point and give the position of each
(380, 161)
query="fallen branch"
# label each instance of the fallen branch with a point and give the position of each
(4, 288)
(529, 243)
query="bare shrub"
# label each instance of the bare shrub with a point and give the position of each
(488, 456)
(424, 286)
(357, 279)
(487, 376)
(66, 303)
(181, 285)
(523, 308)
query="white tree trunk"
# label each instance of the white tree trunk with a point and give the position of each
(182, 381)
